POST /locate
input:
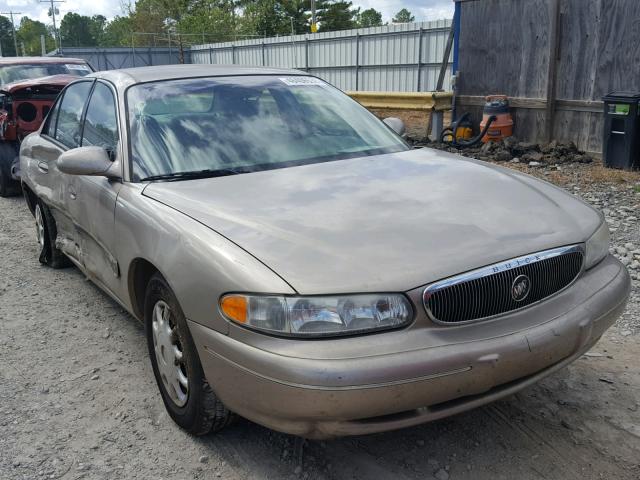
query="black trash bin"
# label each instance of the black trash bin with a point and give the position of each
(621, 147)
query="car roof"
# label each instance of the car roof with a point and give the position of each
(36, 60)
(129, 76)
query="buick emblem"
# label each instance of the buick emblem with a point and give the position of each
(520, 288)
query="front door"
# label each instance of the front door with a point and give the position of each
(95, 197)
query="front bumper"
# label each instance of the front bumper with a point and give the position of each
(354, 386)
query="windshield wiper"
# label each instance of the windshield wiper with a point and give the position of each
(191, 175)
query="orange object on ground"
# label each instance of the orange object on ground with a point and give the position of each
(502, 127)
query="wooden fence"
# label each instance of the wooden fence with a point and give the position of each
(554, 58)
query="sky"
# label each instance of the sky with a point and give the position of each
(422, 10)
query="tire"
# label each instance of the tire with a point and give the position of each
(46, 233)
(194, 407)
(8, 186)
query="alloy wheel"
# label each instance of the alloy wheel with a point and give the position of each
(169, 354)
(39, 225)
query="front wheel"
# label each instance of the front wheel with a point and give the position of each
(186, 394)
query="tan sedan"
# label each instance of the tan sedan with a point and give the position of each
(295, 262)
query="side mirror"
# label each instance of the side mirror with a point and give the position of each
(93, 161)
(395, 124)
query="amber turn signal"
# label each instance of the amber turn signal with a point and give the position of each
(235, 307)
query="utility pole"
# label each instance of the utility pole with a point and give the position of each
(56, 38)
(314, 25)
(13, 27)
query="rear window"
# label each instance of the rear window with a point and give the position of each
(15, 73)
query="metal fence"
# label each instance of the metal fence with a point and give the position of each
(403, 57)
(113, 58)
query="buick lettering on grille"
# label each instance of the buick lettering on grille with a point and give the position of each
(503, 287)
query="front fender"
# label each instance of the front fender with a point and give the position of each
(199, 264)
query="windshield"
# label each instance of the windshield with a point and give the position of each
(14, 73)
(243, 124)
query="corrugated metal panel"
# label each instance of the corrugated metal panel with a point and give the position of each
(126, 57)
(378, 59)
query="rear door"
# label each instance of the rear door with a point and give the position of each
(61, 132)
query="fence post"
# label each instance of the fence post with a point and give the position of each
(150, 56)
(211, 55)
(419, 76)
(233, 54)
(263, 54)
(306, 53)
(133, 51)
(357, 60)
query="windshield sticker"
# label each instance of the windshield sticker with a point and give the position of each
(77, 66)
(298, 81)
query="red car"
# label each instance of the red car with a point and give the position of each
(28, 88)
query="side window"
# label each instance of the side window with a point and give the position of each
(100, 124)
(69, 123)
(49, 127)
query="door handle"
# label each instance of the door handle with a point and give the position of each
(43, 167)
(72, 194)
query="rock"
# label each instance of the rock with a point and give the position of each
(534, 164)
(502, 156)
(510, 142)
(628, 246)
(625, 333)
(514, 160)
(487, 148)
(203, 458)
(534, 157)
(95, 377)
(298, 470)
(525, 147)
(441, 474)
(622, 251)
(635, 265)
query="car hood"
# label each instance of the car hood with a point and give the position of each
(383, 223)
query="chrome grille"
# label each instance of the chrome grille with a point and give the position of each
(496, 289)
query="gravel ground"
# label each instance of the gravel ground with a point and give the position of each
(78, 398)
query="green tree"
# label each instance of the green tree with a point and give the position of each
(337, 16)
(97, 28)
(6, 37)
(266, 18)
(29, 33)
(77, 31)
(370, 18)
(300, 11)
(117, 33)
(403, 16)
(217, 20)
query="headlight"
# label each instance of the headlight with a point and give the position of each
(317, 316)
(597, 246)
